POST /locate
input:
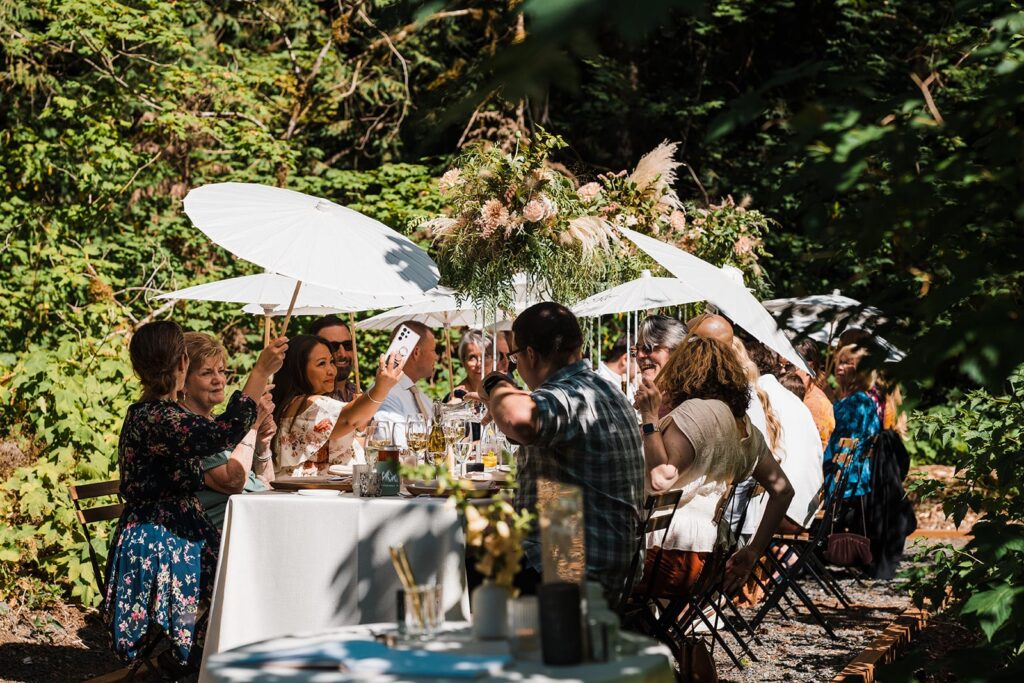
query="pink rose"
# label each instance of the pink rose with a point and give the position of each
(589, 191)
(535, 211)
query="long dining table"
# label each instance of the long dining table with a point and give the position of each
(292, 563)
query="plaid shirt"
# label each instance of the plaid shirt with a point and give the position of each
(588, 436)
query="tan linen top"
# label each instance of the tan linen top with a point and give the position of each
(721, 456)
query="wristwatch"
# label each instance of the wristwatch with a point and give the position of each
(649, 428)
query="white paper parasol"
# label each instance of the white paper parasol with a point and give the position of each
(310, 239)
(719, 288)
(642, 294)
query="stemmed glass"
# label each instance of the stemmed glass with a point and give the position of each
(378, 435)
(417, 431)
(454, 430)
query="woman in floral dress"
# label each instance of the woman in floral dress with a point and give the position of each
(164, 552)
(315, 430)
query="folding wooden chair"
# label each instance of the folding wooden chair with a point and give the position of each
(80, 493)
(99, 513)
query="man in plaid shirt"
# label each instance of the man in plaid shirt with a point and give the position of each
(575, 428)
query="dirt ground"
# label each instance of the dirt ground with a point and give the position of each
(66, 643)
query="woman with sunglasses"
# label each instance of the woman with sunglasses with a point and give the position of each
(339, 341)
(314, 430)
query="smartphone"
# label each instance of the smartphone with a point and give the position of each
(403, 343)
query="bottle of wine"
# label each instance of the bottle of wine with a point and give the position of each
(437, 447)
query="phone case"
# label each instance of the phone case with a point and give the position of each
(403, 343)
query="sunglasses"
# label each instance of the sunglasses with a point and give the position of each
(335, 345)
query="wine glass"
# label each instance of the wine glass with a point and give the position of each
(416, 433)
(454, 429)
(378, 435)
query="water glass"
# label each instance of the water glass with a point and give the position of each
(524, 628)
(423, 612)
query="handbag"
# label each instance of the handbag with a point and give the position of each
(847, 549)
(697, 665)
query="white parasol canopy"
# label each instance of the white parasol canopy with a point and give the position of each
(440, 307)
(273, 292)
(642, 294)
(719, 288)
(310, 239)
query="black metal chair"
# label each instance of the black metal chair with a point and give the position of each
(792, 555)
(682, 613)
(638, 609)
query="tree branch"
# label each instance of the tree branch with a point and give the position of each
(929, 102)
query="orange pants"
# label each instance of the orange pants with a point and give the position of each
(677, 572)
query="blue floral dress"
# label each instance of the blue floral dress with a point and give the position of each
(856, 418)
(164, 554)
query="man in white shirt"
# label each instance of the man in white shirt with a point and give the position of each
(615, 364)
(406, 398)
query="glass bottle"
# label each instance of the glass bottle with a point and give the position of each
(437, 446)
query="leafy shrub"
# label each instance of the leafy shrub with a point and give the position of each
(983, 583)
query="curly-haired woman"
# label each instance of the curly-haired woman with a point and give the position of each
(704, 444)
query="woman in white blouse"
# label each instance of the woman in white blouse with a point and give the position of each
(315, 431)
(705, 443)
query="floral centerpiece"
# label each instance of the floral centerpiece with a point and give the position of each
(513, 213)
(508, 213)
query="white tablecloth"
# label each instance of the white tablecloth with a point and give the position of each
(651, 662)
(295, 564)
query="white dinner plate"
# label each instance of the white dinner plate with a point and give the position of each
(318, 493)
(341, 470)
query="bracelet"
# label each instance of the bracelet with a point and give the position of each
(265, 458)
(367, 394)
(246, 443)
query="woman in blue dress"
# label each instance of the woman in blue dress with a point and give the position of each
(856, 416)
(164, 553)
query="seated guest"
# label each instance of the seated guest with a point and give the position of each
(615, 364)
(471, 355)
(794, 384)
(314, 431)
(799, 451)
(574, 428)
(247, 466)
(878, 504)
(857, 417)
(711, 326)
(405, 398)
(164, 550)
(501, 364)
(339, 340)
(656, 339)
(815, 398)
(705, 443)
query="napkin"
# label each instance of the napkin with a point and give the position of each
(370, 657)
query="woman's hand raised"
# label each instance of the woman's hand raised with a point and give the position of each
(648, 400)
(270, 361)
(272, 357)
(389, 370)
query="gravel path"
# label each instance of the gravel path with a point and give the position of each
(800, 650)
